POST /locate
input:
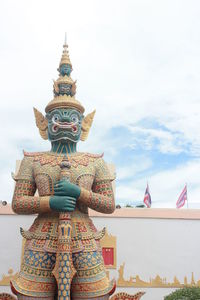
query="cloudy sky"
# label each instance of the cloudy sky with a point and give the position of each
(136, 62)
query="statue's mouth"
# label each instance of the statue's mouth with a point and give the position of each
(65, 125)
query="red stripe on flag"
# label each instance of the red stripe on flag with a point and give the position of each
(182, 198)
(147, 197)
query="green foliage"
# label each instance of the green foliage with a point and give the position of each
(140, 206)
(118, 206)
(192, 293)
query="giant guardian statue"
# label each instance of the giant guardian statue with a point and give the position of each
(62, 255)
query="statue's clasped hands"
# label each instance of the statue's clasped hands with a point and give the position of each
(65, 196)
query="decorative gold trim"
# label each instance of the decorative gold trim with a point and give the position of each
(44, 204)
(64, 101)
(125, 296)
(22, 252)
(86, 125)
(85, 194)
(156, 282)
(65, 56)
(64, 79)
(108, 274)
(41, 123)
(110, 241)
(7, 278)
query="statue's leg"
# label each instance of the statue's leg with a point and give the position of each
(90, 281)
(35, 279)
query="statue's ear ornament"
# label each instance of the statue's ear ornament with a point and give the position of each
(41, 123)
(73, 88)
(55, 86)
(86, 125)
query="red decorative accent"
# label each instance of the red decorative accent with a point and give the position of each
(108, 256)
(113, 289)
(81, 227)
(46, 227)
(13, 289)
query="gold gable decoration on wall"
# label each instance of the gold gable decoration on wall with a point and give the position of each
(5, 280)
(109, 247)
(157, 282)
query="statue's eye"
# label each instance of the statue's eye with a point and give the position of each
(55, 118)
(74, 118)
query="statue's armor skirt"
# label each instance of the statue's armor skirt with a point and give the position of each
(36, 279)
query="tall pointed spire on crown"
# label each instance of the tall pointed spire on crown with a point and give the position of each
(65, 55)
(64, 86)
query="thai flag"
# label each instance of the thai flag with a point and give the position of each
(147, 197)
(182, 198)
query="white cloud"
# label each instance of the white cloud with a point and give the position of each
(127, 193)
(159, 139)
(140, 164)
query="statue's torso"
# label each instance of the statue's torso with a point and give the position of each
(44, 231)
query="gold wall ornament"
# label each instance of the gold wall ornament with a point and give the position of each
(86, 125)
(156, 282)
(41, 123)
(5, 280)
(110, 242)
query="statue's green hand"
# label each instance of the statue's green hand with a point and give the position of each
(62, 203)
(66, 188)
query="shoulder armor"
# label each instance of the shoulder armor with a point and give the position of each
(94, 155)
(32, 154)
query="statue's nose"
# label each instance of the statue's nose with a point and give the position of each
(66, 119)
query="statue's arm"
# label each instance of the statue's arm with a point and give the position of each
(24, 199)
(101, 197)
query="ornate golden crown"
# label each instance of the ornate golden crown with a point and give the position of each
(64, 100)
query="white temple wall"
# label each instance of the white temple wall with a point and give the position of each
(150, 242)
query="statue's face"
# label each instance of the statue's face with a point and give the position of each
(64, 124)
(65, 69)
(65, 89)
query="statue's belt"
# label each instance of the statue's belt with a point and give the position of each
(46, 236)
